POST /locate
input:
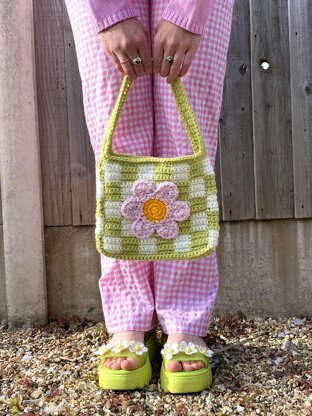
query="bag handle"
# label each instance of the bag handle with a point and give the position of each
(186, 112)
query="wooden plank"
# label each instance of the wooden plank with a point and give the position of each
(236, 147)
(82, 160)
(52, 111)
(300, 17)
(217, 169)
(1, 218)
(271, 109)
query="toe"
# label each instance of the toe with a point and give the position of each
(117, 363)
(174, 366)
(108, 362)
(187, 366)
(129, 364)
(196, 365)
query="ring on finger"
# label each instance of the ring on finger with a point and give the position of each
(137, 60)
(169, 59)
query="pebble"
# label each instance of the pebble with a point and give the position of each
(288, 344)
(36, 393)
(298, 321)
(261, 367)
(27, 357)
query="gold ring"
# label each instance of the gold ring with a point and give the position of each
(124, 61)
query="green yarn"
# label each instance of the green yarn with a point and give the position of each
(192, 174)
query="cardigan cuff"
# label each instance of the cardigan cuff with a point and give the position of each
(183, 22)
(108, 21)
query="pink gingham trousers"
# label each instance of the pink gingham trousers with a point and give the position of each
(180, 293)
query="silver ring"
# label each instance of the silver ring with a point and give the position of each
(137, 60)
(169, 59)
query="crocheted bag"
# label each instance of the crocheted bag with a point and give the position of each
(154, 208)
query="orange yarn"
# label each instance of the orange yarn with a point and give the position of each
(155, 210)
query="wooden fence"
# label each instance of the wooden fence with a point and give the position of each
(263, 165)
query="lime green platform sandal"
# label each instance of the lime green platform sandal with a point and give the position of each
(180, 382)
(129, 379)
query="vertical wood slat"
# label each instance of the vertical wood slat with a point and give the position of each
(52, 112)
(1, 218)
(271, 109)
(300, 17)
(217, 169)
(82, 160)
(236, 147)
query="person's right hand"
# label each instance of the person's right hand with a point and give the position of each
(128, 39)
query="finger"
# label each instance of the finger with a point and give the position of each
(165, 66)
(158, 53)
(126, 66)
(188, 59)
(138, 68)
(175, 66)
(148, 61)
(146, 57)
(115, 61)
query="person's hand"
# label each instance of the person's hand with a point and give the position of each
(128, 39)
(171, 39)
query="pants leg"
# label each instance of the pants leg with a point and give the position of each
(126, 286)
(185, 290)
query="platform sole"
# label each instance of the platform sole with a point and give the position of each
(181, 382)
(125, 379)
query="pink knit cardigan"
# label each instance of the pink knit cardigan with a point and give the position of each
(190, 15)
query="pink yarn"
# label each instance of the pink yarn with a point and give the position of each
(143, 190)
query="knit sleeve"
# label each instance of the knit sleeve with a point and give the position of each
(190, 15)
(105, 13)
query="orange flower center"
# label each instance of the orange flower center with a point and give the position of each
(155, 210)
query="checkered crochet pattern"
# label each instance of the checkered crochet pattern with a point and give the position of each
(192, 176)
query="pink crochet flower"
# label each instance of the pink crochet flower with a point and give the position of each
(155, 209)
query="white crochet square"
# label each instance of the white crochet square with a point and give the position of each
(126, 230)
(99, 188)
(213, 237)
(212, 202)
(112, 172)
(207, 166)
(99, 223)
(182, 242)
(112, 208)
(126, 190)
(180, 172)
(146, 171)
(199, 221)
(112, 244)
(197, 188)
(148, 245)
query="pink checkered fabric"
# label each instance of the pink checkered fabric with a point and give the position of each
(180, 293)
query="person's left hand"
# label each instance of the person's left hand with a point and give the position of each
(171, 39)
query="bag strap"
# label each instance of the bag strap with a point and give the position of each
(186, 112)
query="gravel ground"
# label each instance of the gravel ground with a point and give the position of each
(260, 367)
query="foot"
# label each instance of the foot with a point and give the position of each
(124, 363)
(190, 365)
